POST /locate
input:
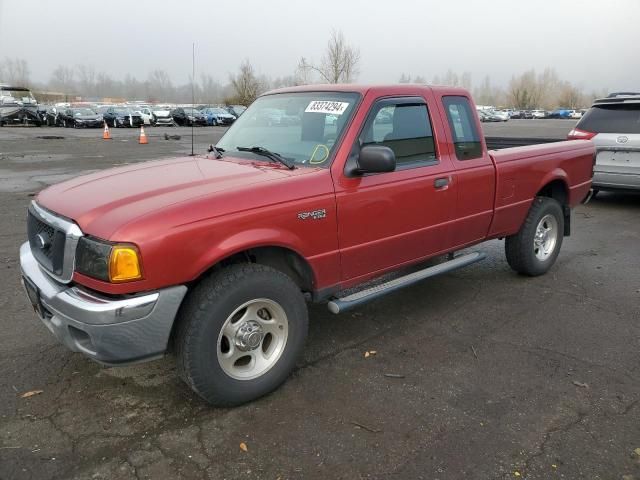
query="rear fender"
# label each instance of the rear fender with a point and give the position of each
(554, 178)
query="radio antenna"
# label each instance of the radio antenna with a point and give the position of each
(193, 80)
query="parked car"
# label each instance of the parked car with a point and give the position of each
(489, 116)
(560, 113)
(501, 114)
(236, 110)
(216, 256)
(538, 114)
(146, 113)
(217, 116)
(516, 114)
(122, 117)
(52, 115)
(81, 118)
(576, 114)
(161, 116)
(187, 116)
(613, 124)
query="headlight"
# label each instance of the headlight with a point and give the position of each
(110, 262)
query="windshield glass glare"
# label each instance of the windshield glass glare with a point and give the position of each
(301, 127)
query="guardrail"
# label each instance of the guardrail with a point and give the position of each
(497, 143)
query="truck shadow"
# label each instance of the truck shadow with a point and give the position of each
(619, 199)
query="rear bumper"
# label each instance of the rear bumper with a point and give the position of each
(615, 180)
(106, 329)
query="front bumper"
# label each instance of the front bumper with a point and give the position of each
(110, 330)
(164, 121)
(89, 123)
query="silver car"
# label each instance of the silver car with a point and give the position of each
(613, 123)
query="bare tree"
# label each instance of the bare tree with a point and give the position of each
(404, 78)
(286, 81)
(245, 84)
(465, 80)
(570, 96)
(451, 79)
(105, 85)
(160, 86)
(209, 89)
(419, 79)
(524, 90)
(549, 85)
(62, 79)
(14, 71)
(339, 64)
(86, 79)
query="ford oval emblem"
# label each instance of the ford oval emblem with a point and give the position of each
(622, 139)
(41, 241)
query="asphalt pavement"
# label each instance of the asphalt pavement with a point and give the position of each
(479, 374)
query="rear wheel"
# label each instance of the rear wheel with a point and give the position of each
(534, 249)
(240, 333)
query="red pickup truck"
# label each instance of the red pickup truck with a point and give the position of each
(312, 192)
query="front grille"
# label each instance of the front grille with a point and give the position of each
(47, 243)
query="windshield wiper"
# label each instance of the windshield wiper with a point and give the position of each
(217, 152)
(269, 154)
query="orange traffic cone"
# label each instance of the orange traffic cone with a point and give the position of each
(106, 134)
(143, 137)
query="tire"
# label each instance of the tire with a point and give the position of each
(533, 256)
(212, 320)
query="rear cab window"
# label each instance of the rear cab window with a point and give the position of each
(461, 119)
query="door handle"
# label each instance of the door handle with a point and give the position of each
(441, 182)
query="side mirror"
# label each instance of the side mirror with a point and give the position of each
(375, 159)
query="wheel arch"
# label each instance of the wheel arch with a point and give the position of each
(282, 258)
(558, 189)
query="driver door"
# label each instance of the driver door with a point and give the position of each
(386, 220)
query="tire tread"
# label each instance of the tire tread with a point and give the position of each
(195, 313)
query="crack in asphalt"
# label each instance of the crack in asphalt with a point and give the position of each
(564, 429)
(545, 439)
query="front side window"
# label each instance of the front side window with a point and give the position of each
(304, 127)
(404, 128)
(463, 127)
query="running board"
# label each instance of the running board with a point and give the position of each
(339, 305)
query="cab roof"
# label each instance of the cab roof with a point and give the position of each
(389, 89)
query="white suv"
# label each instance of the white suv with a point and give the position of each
(613, 123)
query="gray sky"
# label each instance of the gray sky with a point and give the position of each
(592, 43)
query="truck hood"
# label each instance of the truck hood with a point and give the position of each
(102, 202)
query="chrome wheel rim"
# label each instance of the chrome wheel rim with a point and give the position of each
(546, 237)
(252, 339)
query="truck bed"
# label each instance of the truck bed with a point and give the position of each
(520, 171)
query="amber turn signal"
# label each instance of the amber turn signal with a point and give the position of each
(124, 264)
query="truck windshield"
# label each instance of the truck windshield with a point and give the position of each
(301, 127)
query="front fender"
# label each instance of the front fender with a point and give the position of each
(245, 240)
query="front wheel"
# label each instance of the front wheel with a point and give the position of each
(240, 333)
(534, 249)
